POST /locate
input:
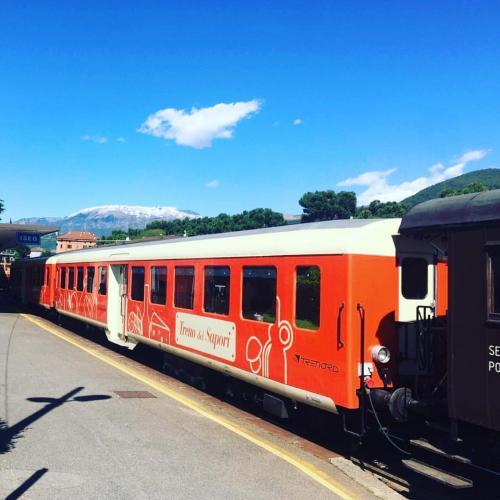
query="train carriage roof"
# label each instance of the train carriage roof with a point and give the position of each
(355, 236)
(443, 213)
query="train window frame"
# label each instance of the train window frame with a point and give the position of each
(90, 289)
(63, 278)
(137, 287)
(493, 282)
(312, 327)
(80, 278)
(410, 294)
(177, 275)
(258, 316)
(208, 293)
(102, 289)
(155, 296)
(71, 277)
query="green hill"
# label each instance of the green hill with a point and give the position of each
(490, 177)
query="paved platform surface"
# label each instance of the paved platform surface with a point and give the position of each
(68, 431)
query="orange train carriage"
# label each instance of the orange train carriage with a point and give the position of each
(308, 312)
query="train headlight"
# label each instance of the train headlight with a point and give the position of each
(381, 354)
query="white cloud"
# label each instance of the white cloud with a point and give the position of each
(477, 154)
(367, 178)
(199, 127)
(378, 186)
(95, 138)
(120, 139)
(212, 184)
(297, 121)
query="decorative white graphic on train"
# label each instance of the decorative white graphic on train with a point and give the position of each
(74, 302)
(90, 305)
(158, 328)
(208, 335)
(270, 359)
(156, 325)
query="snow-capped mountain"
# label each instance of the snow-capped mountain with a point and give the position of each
(164, 213)
(103, 219)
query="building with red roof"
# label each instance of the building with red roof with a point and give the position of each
(75, 240)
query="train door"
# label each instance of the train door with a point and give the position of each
(417, 271)
(417, 306)
(137, 316)
(117, 305)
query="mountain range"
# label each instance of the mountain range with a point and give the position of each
(103, 219)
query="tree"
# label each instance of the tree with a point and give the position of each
(378, 210)
(22, 251)
(475, 187)
(327, 205)
(222, 223)
(2, 207)
(116, 234)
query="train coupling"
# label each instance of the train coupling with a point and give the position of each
(398, 402)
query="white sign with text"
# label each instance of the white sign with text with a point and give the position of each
(209, 335)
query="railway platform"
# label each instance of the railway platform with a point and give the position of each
(79, 421)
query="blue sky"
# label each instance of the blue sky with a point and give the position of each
(383, 91)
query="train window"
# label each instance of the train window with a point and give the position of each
(259, 293)
(217, 281)
(414, 279)
(159, 285)
(103, 280)
(494, 283)
(79, 279)
(63, 277)
(307, 297)
(90, 278)
(71, 278)
(184, 287)
(137, 289)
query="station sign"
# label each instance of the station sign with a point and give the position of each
(27, 238)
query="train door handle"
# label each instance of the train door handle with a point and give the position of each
(122, 305)
(340, 342)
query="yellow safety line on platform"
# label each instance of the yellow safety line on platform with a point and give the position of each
(306, 467)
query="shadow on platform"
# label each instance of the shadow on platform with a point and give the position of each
(26, 485)
(9, 435)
